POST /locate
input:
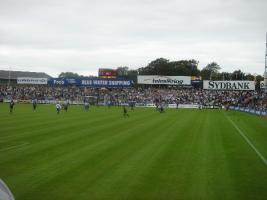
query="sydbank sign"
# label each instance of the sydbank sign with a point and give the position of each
(164, 80)
(32, 81)
(229, 85)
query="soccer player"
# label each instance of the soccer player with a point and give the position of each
(227, 106)
(161, 108)
(200, 107)
(109, 103)
(66, 105)
(86, 105)
(58, 108)
(34, 104)
(177, 103)
(157, 103)
(11, 106)
(132, 104)
(125, 112)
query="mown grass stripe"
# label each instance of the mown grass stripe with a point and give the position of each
(247, 140)
(180, 154)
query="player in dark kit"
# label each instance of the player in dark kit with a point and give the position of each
(66, 105)
(161, 108)
(157, 104)
(34, 104)
(125, 112)
(86, 105)
(227, 106)
(177, 103)
(132, 104)
(11, 106)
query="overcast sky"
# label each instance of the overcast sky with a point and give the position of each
(82, 35)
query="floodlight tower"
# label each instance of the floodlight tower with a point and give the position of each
(265, 72)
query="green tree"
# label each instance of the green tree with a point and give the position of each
(122, 71)
(211, 71)
(258, 78)
(156, 67)
(249, 77)
(238, 75)
(162, 66)
(224, 76)
(184, 68)
(68, 75)
(132, 75)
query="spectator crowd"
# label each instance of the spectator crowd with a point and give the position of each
(140, 95)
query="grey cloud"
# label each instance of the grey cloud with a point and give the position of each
(83, 35)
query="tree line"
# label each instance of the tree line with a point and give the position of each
(163, 66)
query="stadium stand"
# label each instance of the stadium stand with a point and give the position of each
(46, 94)
(11, 76)
(140, 95)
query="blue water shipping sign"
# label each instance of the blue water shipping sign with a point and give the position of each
(106, 82)
(91, 82)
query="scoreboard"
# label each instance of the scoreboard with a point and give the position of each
(107, 73)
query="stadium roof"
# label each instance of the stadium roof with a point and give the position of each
(4, 74)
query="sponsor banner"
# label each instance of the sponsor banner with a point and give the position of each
(172, 105)
(106, 83)
(91, 82)
(164, 80)
(9, 100)
(190, 106)
(31, 81)
(63, 81)
(228, 85)
(260, 112)
(196, 79)
(148, 105)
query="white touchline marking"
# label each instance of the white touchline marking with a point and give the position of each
(15, 146)
(247, 140)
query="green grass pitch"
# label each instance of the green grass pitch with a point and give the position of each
(99, 154)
